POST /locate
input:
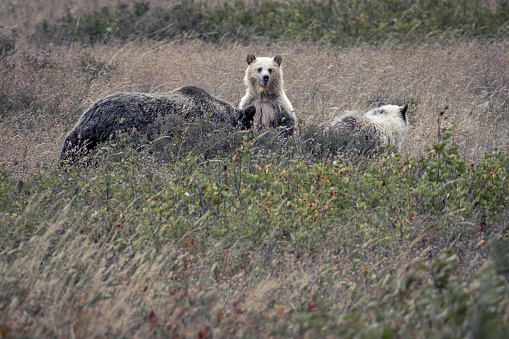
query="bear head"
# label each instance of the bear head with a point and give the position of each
(393, 112)
(264, 74)
(392, 122)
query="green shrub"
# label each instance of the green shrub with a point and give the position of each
(253, 181)
(332, 22)
(207, 210)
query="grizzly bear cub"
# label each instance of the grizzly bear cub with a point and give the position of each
(264, 81)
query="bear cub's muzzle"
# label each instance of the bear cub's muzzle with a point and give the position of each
(265, 80)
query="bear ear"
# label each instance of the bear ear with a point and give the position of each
(380, 104)
(402, 111)
(279, 59)
(250, 58)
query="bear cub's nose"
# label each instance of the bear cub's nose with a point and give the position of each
(265, 78)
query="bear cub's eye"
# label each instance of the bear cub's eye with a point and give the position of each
(270, 70)
(259, 70)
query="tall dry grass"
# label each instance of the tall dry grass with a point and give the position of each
(90, 289)
(63, 283)
(51, 88)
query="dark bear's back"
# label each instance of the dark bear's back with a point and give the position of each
(198, 103)
(127, 111)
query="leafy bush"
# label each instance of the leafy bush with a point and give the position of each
(294, 183)
(191, 230)
(205, 231)
(333, 22)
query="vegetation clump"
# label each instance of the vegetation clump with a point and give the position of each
(187, 223)
(208, 231)
(329, 21)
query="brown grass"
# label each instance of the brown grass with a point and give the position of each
(470, 78)
(90, 289)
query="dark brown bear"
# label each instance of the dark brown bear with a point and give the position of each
(127, 111)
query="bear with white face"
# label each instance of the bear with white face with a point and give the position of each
(264, 81)
(386, 124)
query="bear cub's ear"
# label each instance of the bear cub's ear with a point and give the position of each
(279, 59)
(402, 111)
(250, 58)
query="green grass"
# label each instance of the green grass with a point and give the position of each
(254, 185)
(195, 223)
(330, 22)
(209, 232)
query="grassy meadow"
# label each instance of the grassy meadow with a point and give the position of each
(218, 233)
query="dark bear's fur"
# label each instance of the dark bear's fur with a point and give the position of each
(125, 111)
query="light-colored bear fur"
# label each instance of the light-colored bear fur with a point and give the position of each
(386, 124)
(264, 81)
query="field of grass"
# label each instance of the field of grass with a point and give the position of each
(218, 233)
